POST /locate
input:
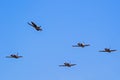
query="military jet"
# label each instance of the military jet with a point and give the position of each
(81, 45)
(14, 56)
(67, 65)
(107, 50)
(38, 28)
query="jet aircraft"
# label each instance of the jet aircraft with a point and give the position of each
(38, 28)
(16, 56)
(81, 45)
(107, 50)
(67, 65)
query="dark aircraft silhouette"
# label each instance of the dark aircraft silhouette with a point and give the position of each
(67, 65)
(107, 50)
(14, 56)
(81, 45)
(38, 28)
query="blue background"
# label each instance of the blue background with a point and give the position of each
(64, 23)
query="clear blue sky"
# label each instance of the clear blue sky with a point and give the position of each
(64, 23)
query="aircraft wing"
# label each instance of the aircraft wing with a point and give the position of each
(113, 50)
(87, 45)
(73, 64)
(30, 24)
(75, 46)
(102, 51)
(62, 65)
(20, 56)
(9, 57)
(34, 25)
